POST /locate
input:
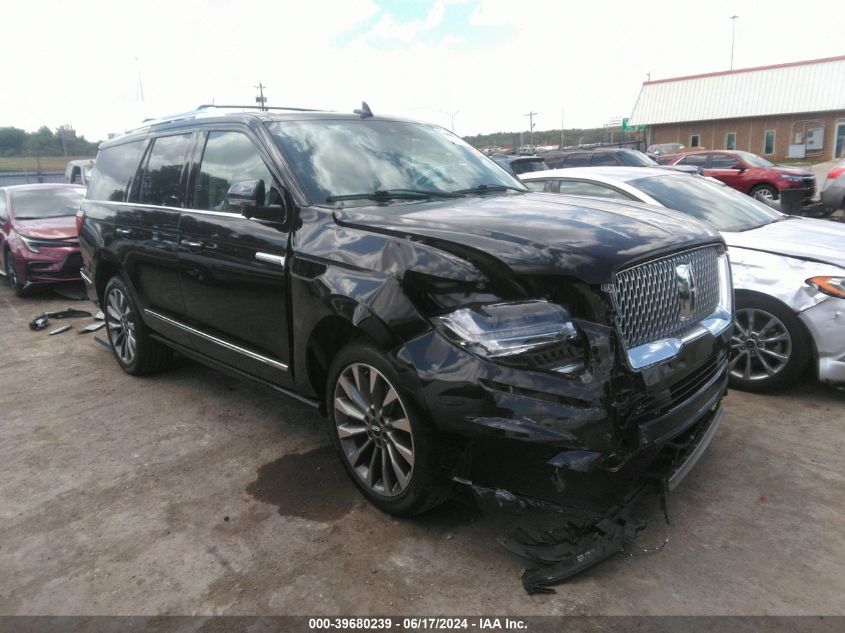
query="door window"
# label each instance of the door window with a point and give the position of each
(535, 185)
(162, 177)
(577, 160)
(603, 158)
(228, 157)
(724, 161)
(696, 160)
(2, 207)
(114, 171)
(590, 189)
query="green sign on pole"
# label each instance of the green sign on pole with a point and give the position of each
(631, 128)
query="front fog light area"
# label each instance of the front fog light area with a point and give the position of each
(538, 333)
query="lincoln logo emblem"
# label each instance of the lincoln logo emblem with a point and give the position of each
(686, 290)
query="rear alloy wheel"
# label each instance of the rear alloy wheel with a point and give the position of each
(383, 446)
(769, 347)
(133, 347)
(765, 193)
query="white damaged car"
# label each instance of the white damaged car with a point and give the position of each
(788, 271)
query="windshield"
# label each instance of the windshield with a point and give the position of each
(717, 204)
(754, 160)
(46, 203)
(336, 158)
(636, 158)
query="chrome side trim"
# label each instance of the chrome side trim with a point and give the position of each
(157, 206)
(85, 277)
(278, 260)
(697, 452)
(218, 341)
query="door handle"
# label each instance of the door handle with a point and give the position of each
(269, 258)
(191, 245)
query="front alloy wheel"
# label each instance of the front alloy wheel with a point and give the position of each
(374, 430)
(769, 346)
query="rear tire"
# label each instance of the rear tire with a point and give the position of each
(135, 350)
(770, 347)
(382, 441)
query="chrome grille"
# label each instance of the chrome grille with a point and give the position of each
(648, 299)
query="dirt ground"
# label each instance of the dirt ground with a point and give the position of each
(193, 493)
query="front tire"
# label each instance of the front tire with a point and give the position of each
(765, 193)
(134, 349)
(15, 282)
(770, 347)
(382, 442)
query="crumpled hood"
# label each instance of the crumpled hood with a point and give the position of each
(538, 233)
(57, 228)
(804, 238)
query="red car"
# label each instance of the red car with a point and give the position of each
(39, 240)
(747, 172)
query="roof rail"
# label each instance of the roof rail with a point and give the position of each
(205, 110)
(253, 107)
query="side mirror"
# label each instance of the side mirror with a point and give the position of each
(246, 193)
(741, 168)
(248, 196)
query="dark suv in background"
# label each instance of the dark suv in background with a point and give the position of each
(604, 156)
(453, 326)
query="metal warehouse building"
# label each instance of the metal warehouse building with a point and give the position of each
(794, 110)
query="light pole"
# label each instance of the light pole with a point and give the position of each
(733, 37)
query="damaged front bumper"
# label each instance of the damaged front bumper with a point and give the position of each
(826, 323)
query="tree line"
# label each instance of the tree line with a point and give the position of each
(45, 142)
(572, 136)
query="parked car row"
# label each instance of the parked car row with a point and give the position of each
(789, 277)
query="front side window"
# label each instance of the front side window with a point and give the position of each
(603, 158)
(714, 203)
(694, 140)
(351, 157)
(46, 203)
(590, 190)
(635, 158)
(536, 185)
(162, 177)
(730, 140)
(114, 171)
(724, 161)
(229, 157)
(576, 160)
(769, 143)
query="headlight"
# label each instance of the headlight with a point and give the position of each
(794, 178)
(31, 244)
(509, 329)
(833, 286)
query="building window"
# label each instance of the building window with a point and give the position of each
(730, 140)
(769, 143)
(694, 141)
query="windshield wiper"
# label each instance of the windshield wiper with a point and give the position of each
(383, 195)
(488, 188)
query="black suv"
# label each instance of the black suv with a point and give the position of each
(603, 156)
(456, 329)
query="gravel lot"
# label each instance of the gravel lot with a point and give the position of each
(190, 492)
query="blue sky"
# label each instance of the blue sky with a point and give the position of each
(481, 63)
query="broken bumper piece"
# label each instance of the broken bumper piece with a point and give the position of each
(563, 541)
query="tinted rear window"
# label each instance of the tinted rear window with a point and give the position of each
(163, 173)
(114, 170)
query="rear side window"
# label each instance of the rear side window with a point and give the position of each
(576, 160)
(591, 190)
(535, 185)
(162, 177)
(603, 158)
(114, 170)
(229, 157)
(696, 160)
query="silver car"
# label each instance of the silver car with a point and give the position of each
(833, 193)
(788, 271)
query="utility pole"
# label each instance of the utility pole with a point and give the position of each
(531, 116)
(561, 128)
(454, 114)
(733, 19)
(261, 100)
